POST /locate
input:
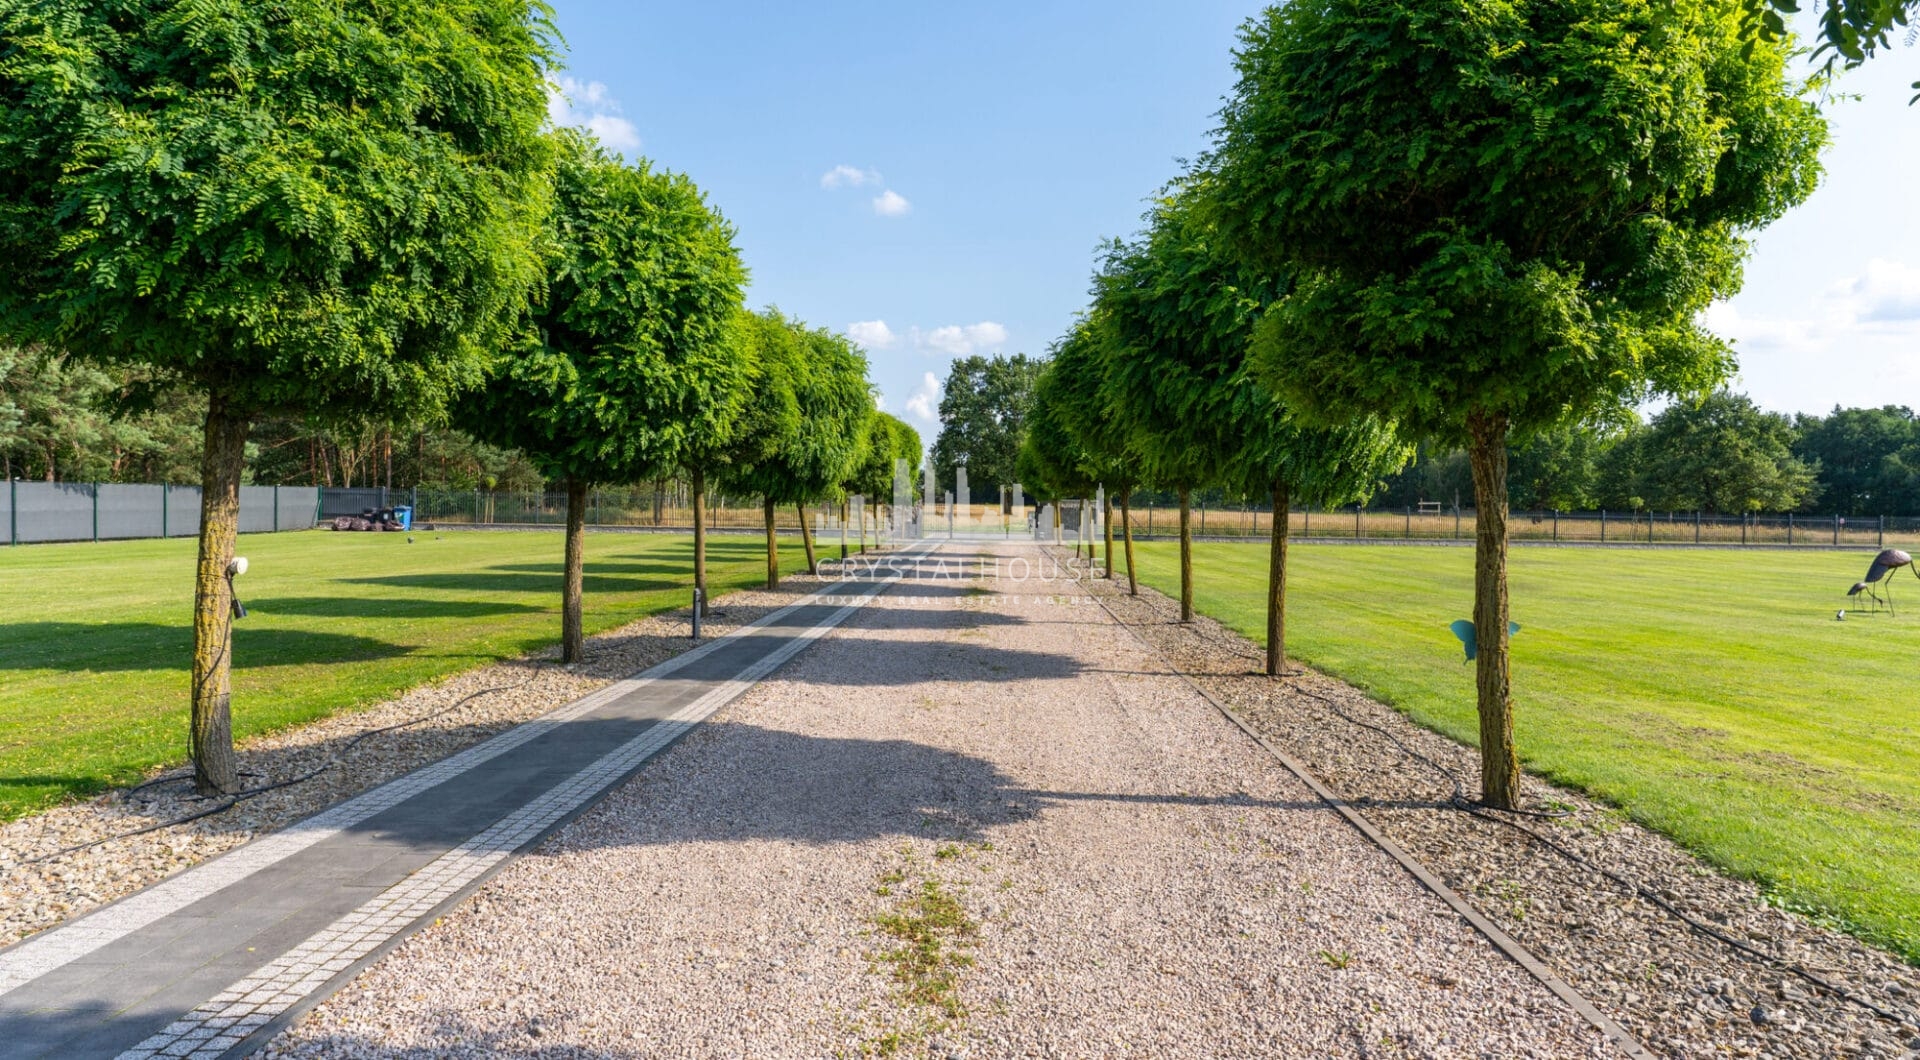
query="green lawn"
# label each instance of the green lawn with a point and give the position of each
(95, 644)
(1711, 694)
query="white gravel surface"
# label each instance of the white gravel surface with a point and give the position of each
(1133, 877)
(1684, 993)
(35, 895)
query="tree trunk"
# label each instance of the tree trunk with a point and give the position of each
(846, 513)
(1499, 764)
(699, 485)
(222, 460)
(1186, 554)
(806, 539)
(573, 640)
(1126, 537)
(1277, 586)
(1106, 527)
(773, 547)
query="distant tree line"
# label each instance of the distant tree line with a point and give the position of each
(1723, 455)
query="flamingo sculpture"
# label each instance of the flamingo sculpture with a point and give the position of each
(1883, 567)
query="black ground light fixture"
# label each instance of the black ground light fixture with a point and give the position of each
(236, 568)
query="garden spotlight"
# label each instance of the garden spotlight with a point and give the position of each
(236, 568)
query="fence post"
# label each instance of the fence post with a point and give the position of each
(1836, 528)
(1149, 520)
(1306, 519)
(1696, 526)
(1409, 534)
(1203, 519)
(96, 511)
(1883, 533)
(476, 506)
(1789, 528)
(163, 511)
(1556, 524)
(276, 509)
(13, 511)
(1603, 525)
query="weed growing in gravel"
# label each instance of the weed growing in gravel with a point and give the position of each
(1336, 959)
(930, 927)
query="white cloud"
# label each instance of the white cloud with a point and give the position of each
(961, 340)
(872, 334)
(891, 203)
(848, 177)
(1858, 344)
(924, 405)
(590, 106)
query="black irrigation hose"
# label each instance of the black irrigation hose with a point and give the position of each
(238, 797)
(1459, 801)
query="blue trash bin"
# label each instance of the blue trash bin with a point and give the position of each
(404, 513)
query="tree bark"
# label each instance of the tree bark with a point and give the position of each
(1277, 586)
(773, 547)
(1106, 527)
(846, 513)
(699, 485)
(1186, 554)
(221, 464)
(1126, 537)
(1499, 764)
(806, 538)
(573, 640)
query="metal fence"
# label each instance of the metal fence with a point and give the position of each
(1595, 527)
(36, 512)
(634, 507)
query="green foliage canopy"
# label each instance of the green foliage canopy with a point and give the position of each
(888, 439)
(1869, 459)
(1722, 455)
(1051, 464)
(627, 353)
(983, 416)
(1182, 308)
(805, 457)
(1512, 209)
(297, 206)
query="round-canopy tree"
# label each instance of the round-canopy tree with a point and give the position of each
(827, 375)
(1501, 216)
(1176, 311)
(303, 207)
(1253, 445)
(1099, 435)
(1049, 461)
(888, 440)
(627, 352)
(765, 412)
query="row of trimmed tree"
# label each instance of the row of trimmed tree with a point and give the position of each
(328, 211)
(1450, 222)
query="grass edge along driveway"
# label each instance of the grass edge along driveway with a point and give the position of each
(95, 644)
(1709, 694)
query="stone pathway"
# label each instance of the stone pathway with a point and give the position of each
(213, 961)
(978, 820)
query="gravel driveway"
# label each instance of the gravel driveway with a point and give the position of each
(979, 820)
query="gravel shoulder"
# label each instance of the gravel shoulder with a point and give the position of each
(37, 896)
(1682, 993)
(978, 820)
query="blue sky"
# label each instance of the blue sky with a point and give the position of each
(935, 180)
